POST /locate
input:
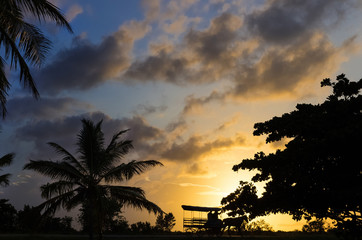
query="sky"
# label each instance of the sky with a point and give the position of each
(189, 79)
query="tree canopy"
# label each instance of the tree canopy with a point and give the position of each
(319, 173)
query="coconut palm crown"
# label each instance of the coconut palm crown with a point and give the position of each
(22, 42)
(5, 161)
(89, 180)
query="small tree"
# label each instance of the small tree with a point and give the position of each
(317, 225)
(7, 216)
(259, 226)
(141, 227)
(241, 206)
(166, 222)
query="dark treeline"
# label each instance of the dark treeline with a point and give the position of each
(30, 220)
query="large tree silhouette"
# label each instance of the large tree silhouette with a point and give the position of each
(89, 179)
(319, 173)
(22, 42)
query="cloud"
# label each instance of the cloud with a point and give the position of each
(229, 123)
(283, 21)
(160, 67)
(196, 169)
(145, 110)
(25, 108)
(64, 132)
(73, 12)
(86, 65)
(215, 43)
(203, 56)
(278, 48)
(196, 185)
(195, 105)
(155, 10)
(197, 146)
(283, 69)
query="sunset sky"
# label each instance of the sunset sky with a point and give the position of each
(189, 78)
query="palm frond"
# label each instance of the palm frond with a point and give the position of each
(133, 197)
(43, 9)
(91, 145)
(4, 88)
(68, 157)
(52, 205)
(29, 38)
(4, 180)
(33, 43)
(126, 171)
(6, 159)
(50, 190)
(115, 150)
(113, 154)
(16, 58)
(76, 200)
(55, 170)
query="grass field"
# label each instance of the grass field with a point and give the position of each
(271, 236)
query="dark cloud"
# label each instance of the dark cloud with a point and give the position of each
(197, 146)
(160, 67)
(84, 65)
(203, 56)
(64, 131)
(213, 44)
(284, 20)
(24, 108)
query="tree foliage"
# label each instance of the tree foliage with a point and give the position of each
(22, 42)
(317, 225)
(319, 173)
(165, 222)
(7, 216)
(259, 226)
(5, 161)
(89, 179)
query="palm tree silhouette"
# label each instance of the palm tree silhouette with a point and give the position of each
(5, 161)
(24, 42)
(88, 180)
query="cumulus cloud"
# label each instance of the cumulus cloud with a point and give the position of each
(283, 69)
(203, 56)
(160, 67)
(86, 65)
(282, 21)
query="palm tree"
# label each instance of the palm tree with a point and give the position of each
(24, 42)
(89, 180)
(5, 161)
